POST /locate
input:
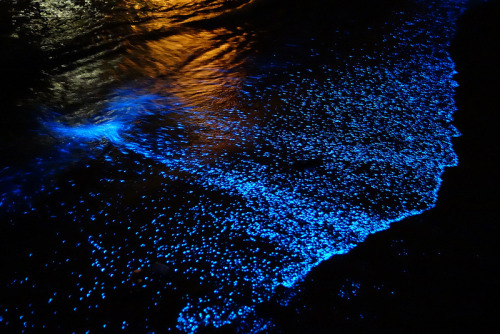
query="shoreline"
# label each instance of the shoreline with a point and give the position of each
(436, 271)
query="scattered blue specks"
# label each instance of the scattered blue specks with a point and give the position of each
(227, 198)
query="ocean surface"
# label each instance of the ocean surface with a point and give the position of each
(172, 166)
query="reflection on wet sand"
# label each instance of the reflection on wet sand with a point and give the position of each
(144, 48)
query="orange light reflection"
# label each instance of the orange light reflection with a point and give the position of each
(205, 71)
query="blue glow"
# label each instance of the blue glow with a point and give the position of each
(227, 204)
(109, 130)
(119, 116)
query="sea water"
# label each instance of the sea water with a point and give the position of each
(195, 157)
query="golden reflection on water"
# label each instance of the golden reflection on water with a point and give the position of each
(149, 44)
(203, 69)
(183, 11)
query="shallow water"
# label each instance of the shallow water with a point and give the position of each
(184, 161)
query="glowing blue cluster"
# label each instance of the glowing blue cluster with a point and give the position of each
(233, 203)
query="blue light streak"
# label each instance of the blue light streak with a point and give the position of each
(108, 131)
